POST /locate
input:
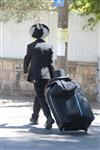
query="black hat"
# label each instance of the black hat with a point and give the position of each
(39, 31)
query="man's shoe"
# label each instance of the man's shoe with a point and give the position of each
(49, 123)
(33, 121)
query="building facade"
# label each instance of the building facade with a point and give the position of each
(83, 53)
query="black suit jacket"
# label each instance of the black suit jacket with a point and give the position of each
(38, 60)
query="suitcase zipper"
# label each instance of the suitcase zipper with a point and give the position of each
(78, 105)
(54, 108)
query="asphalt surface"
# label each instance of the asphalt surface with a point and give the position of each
(16, 132)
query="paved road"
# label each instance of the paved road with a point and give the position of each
(17, 134)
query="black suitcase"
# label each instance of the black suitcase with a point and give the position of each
(71, 109)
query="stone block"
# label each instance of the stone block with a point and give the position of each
(22, 77)
(0, 66)
(5, 75)
(12, 76)
(78, 78)
(7, 65)
(90, 91)
(26, 86)
(17, 67)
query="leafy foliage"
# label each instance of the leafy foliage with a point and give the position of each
(88, 7)
(26, 9)
(22, 9)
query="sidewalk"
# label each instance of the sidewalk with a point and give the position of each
(17, 134)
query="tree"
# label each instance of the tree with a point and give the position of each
(26, 9)
(62, 61)
(22, 9)
(90, 8)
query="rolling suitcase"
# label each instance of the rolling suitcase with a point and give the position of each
(69, 105)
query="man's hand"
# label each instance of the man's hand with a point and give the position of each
(25, 76)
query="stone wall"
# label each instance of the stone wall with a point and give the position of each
(86, 75)
(12, 81)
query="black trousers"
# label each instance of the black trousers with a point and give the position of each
(40, 99)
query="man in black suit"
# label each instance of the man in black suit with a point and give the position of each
(38, 65)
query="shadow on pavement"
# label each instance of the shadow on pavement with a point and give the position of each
(6, 126)
(39, 130)
(55, 131)
(36, 138)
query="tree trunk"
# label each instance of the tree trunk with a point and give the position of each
(63, 24)
(98, 71)
(98, 81)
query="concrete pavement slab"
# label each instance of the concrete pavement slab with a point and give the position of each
(16, 133)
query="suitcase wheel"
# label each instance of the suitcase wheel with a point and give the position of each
(86, 130)
(61, 129)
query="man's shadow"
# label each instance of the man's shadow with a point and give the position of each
(6, 126)
(56, 131)
(41, 130)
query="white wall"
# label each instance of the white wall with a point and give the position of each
(82, 45)
(15, 37)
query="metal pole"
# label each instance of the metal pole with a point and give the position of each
(98, 81)
(98, 71)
